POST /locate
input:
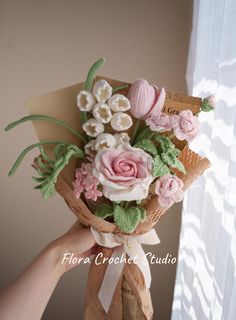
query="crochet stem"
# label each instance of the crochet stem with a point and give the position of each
(29, 148)
(91, 74)
(119, 88)
(89, 83)
(47, 118)
(136, 127)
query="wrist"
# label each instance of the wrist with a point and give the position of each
(55, 253)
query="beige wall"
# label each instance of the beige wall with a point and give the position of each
(47, 45)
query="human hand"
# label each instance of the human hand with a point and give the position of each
(77, 241)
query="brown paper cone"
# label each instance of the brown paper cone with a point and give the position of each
(131, 300)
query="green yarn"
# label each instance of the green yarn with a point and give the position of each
(40, 117)
(165, 142)
(104, 210)
(172, 161)
(26, 150)
(166, 157)
(144, 134)
(49, 177)
(135, 131)
(142, 212)
(128, 219)
(159, 168)
(44, 155)
(92, 72)
(59, 150)
(205, 106)
(169, 157)
(125, 218)
(147, 145)
(89, 83)
(120, 88)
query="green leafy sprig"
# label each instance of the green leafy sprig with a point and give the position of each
(164, 153)
(49, 169)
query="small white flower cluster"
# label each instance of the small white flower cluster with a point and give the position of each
(105, 108)
(105, 141)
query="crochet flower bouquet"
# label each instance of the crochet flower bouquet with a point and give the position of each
(120, 159)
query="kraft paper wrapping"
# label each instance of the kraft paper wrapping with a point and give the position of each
(131, 300)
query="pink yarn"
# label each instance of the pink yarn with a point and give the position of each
(124, 172)
(142, 97)
(169, 190)
(159, 122)
(145, 99)
(125, 167)
(86, 183)
(93, 194)
(185, 125)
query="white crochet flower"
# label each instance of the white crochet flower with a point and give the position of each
(89, 148)
(102, 90)
(93, 128)
(121, 138)
(105, 141)
(121, 121)
(102, 112)
(119, 103)
(85, 100)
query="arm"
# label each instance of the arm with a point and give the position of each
(27, 297)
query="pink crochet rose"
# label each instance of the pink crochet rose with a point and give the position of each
(125, 173)
(145, 99)
(185, 125)
(169, 190)
(159, 122)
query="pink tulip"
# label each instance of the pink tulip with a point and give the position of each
(145, 100)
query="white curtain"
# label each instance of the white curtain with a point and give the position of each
(206, 277)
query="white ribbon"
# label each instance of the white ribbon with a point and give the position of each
(123, 244)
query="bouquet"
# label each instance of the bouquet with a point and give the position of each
(118, 154)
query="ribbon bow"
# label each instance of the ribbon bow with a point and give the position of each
(123, 244)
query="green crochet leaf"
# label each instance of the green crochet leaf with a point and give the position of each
(104, 210)
(169, 157)
(92, 72)
(127, 219)
(144, 134)
(179, 166)
(176, 152)
(159, 168)
(147, 145)
(142, 213)
(172, 161)
(165, 142)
